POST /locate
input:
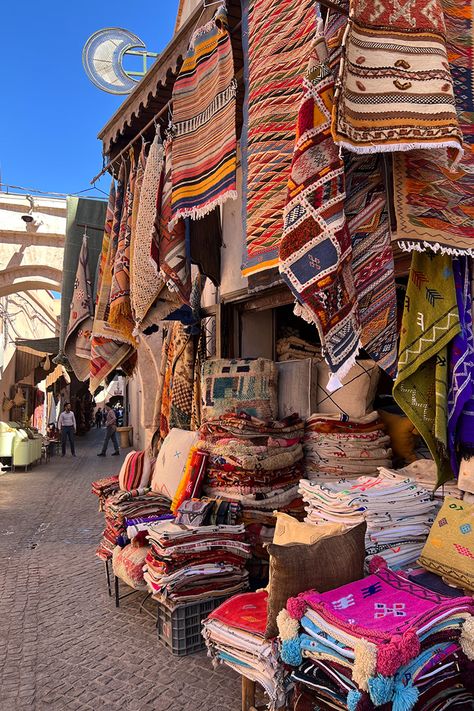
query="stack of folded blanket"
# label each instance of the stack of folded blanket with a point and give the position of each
(255, 463)
(294, 348)
(103, 488)
(337, 448)
(425, 473)
(381, 642)
(235, 636)
(192, 563)
(399, 513)
(126, 505)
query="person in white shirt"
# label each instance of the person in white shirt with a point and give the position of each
(67, 427)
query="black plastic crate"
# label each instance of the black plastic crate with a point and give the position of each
(179, 628)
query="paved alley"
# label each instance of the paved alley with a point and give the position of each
(63, 644)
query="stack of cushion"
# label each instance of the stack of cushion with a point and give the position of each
(398, 512)
(103, 488)
(192, 563)
(294, 348)
(380, 642)
(336, 447)
(125, 505)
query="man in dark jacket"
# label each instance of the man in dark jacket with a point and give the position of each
(110, 432)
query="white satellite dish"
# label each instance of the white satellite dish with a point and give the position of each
(102, 58)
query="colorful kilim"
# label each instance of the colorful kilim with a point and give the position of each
(395, 91)
(77, 344)
(277, 38)
(430, 322)
(461, 370)
(434, 205)
(372, 259)
(145, 283)
(120, 310)
(168, 247)
(316, 251)
(107, 352)
(204, 143)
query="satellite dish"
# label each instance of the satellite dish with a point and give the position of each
(102, 58)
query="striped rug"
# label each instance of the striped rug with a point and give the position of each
(277, 38)
(204, 142)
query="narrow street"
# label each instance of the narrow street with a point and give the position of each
(63, 644)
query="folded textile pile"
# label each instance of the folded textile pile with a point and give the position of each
(336, 447)
(192, 563)
(424, 472)
(125, 505)
(235, 636)
(252, 461)
(256, 463)
(399, 513)
(380, 642)
(103, 488)
(294, 348)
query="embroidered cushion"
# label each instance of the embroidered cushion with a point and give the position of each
(171, 461)
(322, 566)
(127, 564)
(356, 397)
(289, 530)
(449, 549)
(248, 385)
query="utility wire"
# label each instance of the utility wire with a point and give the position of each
(48, 193)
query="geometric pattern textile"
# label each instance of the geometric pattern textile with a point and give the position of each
(81, 305)
(449, 550)
(239, 385)
(120, 311)
(434, 204)
(430, 322)
(461, 361)
(372, 258)
(316, 250)
(145, 283)
(395, 90)
(203, 130)
(277, 38)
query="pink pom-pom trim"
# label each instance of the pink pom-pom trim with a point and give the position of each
(376, 563)
(296, 607)
(399, 651)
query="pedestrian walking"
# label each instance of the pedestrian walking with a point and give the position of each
(104, 416)
(67, 427)
(98, 418)
(111, 431)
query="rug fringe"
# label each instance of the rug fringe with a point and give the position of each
(196, 213)
(393, 147)
(410, 246)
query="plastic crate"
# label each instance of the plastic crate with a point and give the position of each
(179, 628)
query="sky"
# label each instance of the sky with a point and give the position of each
(50, 112)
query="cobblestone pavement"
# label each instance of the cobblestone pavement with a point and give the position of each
(63, 645)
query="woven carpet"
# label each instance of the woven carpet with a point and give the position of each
(435, 205)
(372, 259)
(120, 309)
(430, 322)
(316, 250)
(395, 89)
(277, 38)
(106, 352)
(145, 283)
(77, 345)
(461, 360)
(168, 247)
(204, 136)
